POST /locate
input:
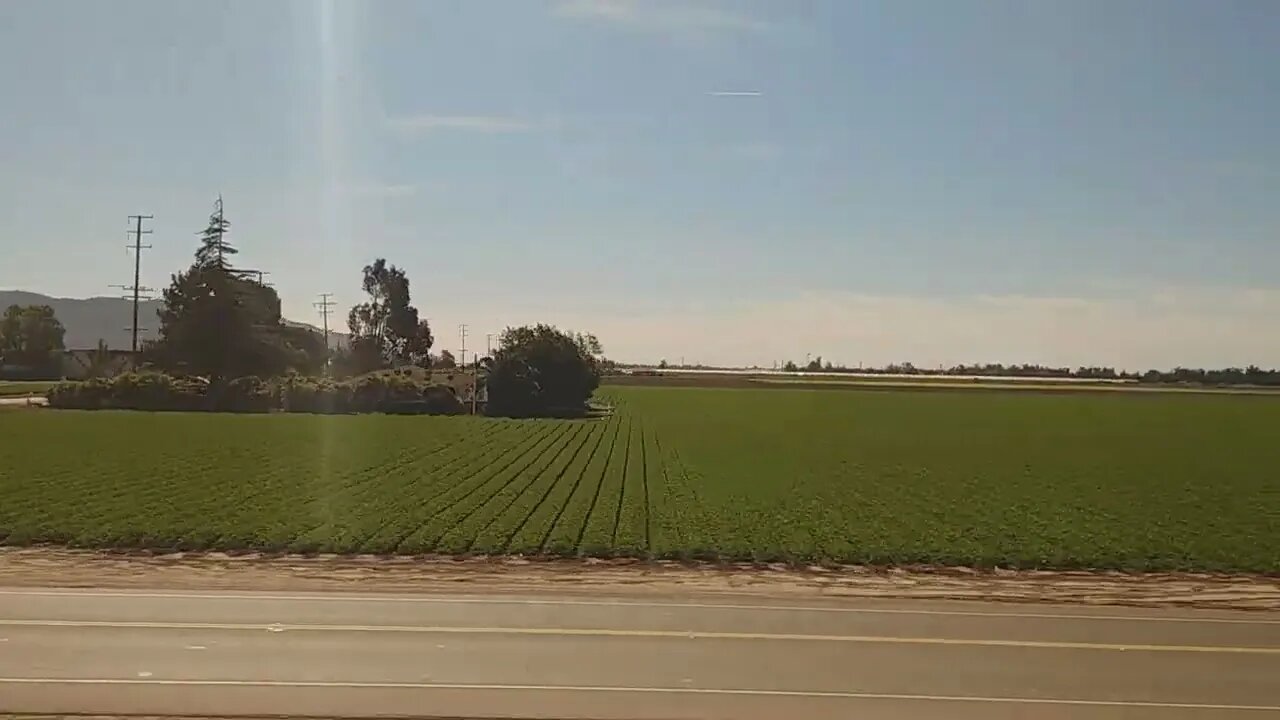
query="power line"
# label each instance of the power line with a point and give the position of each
(136, 288)
(245, 273)
(324, 307)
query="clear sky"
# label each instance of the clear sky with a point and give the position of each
(730, 182)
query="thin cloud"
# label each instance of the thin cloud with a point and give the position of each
(658, 15)
(473, 123)
(735, 93)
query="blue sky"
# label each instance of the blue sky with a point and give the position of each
(1060, 182)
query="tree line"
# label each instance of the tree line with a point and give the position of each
(222, 324)
(1251, 375)
(31, 341)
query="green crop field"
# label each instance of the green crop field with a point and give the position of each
(17, 388)
(1148, 481)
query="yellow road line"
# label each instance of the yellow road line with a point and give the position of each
(629, 633)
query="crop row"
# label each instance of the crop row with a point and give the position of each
(1009, 479)
(375, 484)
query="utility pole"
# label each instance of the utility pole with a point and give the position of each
(462, 333)
(324, 306)
(488, 344)
(136, 288)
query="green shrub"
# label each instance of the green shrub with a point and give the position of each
(380, 391)
(441, 400)
(89, 395)
(385, 391)
(243, 394)
(313, 395)
(432, 400)
(129, 391)
(150, 390)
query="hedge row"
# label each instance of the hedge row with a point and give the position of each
(387, 391)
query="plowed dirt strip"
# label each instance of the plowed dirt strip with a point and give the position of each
(40, 568)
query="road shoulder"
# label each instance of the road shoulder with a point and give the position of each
(59, 567)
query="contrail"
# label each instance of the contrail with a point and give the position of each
(735, 93)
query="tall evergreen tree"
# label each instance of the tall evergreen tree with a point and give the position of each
(221, 323)
(214, 250)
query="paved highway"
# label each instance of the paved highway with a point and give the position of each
(610, 657)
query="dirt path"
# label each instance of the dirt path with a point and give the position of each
(56, 567)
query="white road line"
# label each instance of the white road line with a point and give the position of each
(469, 600)
(630, 633)
(639, 689)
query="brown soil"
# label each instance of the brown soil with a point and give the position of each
(57, 567)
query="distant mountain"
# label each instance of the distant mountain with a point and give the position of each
(337, 340)
(109, 318)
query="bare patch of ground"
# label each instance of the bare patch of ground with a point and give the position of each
(59, 567)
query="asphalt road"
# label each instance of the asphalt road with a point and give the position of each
(549, 655)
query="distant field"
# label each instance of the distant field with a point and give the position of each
(710, 379)
(938, 383)
(1001, 478)
(1009, 478)
(10, 388)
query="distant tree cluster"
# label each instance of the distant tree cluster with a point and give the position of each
(444, 361)
(1252, 375)
(386, 331)
(31, 339)
(541, 370)
(224, 324)
(221, 322)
